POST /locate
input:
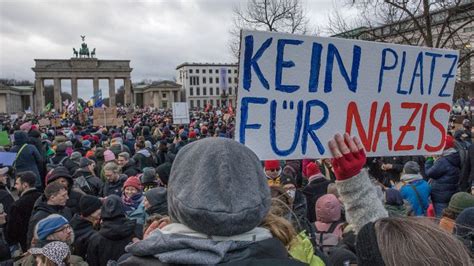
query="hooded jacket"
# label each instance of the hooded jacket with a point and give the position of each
(42, 210)
(143, 158)
(130, 169)
(444, 174)
(316, 188)
(95, 184)
(29, 159)
(83, 231)
(178, 244)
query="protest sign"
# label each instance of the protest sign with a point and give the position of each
(4, 138)
(44, 122)
(7, 158)
(56, 122)
(106, 117)
(180, 113)
(296, 92)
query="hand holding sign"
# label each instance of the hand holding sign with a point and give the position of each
(349, 156)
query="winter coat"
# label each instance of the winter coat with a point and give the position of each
(29, 159)
(138, 214)
(74, 194)
(409, 194)
(130, 144)
(6, 199)
(315, 189)
(110, 241)
(20, 214)
(42, 210)
(396, 210)
(191, 247)
(114, 188)
(83, 231)
(130, 169)
(143, 158)
(444, 174)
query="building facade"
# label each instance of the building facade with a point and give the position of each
(208, 83)
(159, 94)
(15, 98)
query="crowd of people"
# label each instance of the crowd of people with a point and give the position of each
(153, 193)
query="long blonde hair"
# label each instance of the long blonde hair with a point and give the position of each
(418, 241)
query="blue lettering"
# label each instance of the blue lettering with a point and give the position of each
(400, 78)
(296, 132)
(315, 67)
(386, 67)
(352, 81)
(448, 75)
(309, 129)
(250, 62)
(244, 115)
(432, 69)
(418, 66)
(280, 64)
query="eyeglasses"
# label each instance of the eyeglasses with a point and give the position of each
(67, 227)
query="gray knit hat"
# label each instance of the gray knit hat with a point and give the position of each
(218, 187)
(411, 167)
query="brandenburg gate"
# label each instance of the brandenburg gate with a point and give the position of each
(83, 66)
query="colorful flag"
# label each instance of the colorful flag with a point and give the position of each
(71, 106)
(98, 102)
(47, 108)
(230, 110)
(79, 107)
(66, 103)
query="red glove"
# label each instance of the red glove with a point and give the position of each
(348, 165)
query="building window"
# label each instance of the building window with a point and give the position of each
(217, 80)
(230, 80)
(211, 91)
(228, 71)
(190, 71)
(197, 71)
(190, 91)
(210, 80)
(212, 102)
(230, 90)
(198, 91)
(198, 103)
(235, 71)
(203, 80)
(204, 71)
(204, 91)
(210, 71)
(191, 103)
(236, 81)
(217, 92)
(218, 103)
(217, 71)
(164, 95)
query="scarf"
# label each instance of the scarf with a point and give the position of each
(131, 203)
(408, 178)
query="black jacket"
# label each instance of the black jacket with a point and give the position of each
(130, 169)
(95, 184)
(266, 252)
(109, 243)
(114, 188)
(42, 210)
(20, 214)
(68, 163)
(83, 231)
(313, 191)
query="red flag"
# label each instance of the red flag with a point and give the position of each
(209, 106)
(229, 109)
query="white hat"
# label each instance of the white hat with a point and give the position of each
(3, 171)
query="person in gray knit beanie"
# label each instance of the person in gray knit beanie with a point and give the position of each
(218, 198)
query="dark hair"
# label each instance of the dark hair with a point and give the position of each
(27, 177)
(140, 142)
(53, 189)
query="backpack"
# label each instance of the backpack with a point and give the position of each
(463, 150)
(51, 165)
(82, 183)
(327, 240)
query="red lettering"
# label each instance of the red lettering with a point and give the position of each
(353, 114)
(407, 127)
(384, 116)
(422, 126)
(438, 125)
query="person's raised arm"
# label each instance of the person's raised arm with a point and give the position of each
(357, 192)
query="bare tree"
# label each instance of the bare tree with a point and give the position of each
(269, 15)
(430, 23)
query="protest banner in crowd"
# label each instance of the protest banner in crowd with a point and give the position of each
(296, 91)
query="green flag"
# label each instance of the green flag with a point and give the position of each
(47, 108)
(4, 139)
(79, 107)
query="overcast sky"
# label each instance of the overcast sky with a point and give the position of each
(155, 35)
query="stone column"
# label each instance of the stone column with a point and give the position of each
(39, 96)
(171, 100)
(9, 108)
(112, 100)
(128, 91)
(95, 85)
(74, 90)
(57, 94)
(30, 97)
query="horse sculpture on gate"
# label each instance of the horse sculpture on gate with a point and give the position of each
(84, 50)
(75, 52)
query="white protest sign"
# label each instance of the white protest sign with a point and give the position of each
(180, 113)
(296, 92)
